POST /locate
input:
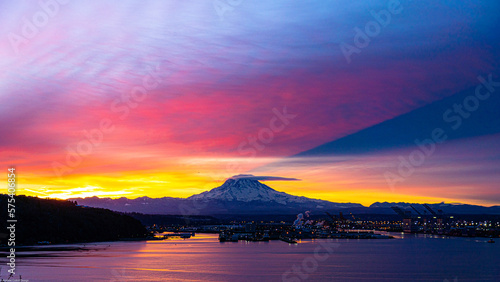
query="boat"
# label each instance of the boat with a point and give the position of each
(182, 235)
(491, 241)
(234, 238)
(288, 240)
(263, 238)
(224, 237)
(381, 236)
(266, 237)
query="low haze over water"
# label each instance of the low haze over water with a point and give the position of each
(203, 258)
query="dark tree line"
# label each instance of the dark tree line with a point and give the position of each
(59, 221)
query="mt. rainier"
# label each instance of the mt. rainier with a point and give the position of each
(247, 190)
(240, 194)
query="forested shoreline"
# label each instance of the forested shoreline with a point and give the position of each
(61, 221)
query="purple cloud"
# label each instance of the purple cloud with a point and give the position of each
(263, 178)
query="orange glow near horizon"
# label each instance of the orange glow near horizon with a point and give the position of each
(182, 184)
(355, 179)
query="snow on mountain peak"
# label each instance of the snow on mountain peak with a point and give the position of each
(246, 188)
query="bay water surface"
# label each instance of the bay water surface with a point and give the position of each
(204, 258)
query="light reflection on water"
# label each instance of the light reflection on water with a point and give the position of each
(203, 258)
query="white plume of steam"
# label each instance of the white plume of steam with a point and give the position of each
(298, 221)
(300, 218)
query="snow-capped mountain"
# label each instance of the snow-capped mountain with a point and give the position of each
(240, 194)
(245, 194)
(248, 190)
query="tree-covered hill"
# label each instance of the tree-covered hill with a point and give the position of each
(59, 221)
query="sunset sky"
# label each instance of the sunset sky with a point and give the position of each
(170, 98)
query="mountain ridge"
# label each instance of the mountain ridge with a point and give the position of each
(246, 195)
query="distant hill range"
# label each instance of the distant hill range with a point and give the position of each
(240, 195)
(446, 208)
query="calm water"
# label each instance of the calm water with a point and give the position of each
(203, 258)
